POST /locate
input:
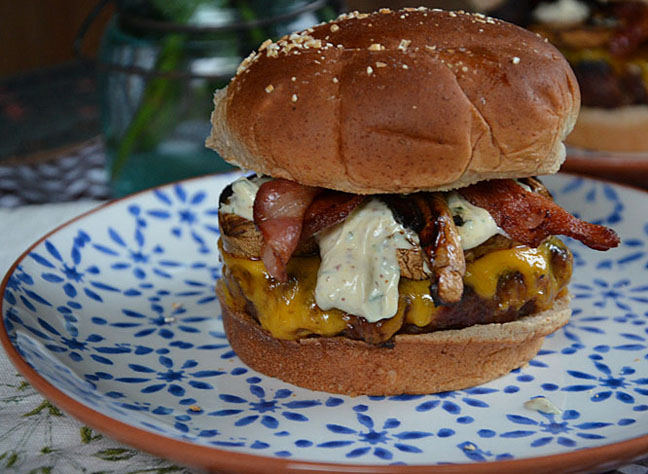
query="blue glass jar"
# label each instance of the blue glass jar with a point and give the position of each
(158, 70)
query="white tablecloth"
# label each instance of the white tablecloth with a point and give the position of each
(35, 437)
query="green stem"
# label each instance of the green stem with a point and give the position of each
(156, 95)
(257, 35)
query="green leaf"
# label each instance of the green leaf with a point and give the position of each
(87, 436)
(45, 404)
(41, 470)
(115, 454)
(12, 459)
(158, 470)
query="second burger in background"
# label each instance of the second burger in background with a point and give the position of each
(606, 44)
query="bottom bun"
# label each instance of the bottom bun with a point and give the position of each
(622, 129)
(413, 364)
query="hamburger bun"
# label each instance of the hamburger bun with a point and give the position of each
(623, 129)
(399, 102)
(414, 364)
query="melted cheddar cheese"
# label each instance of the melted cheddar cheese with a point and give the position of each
(289, 311)
(620, 65)
(532, 263)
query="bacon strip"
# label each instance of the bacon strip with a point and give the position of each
(530, 218)
(634, 28)
(327, 209)
(279, 209)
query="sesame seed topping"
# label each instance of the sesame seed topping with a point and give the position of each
(269, 88)
(404, 44)
(381, 64)
(464, 69)
(335, 80)
(272, 50)
(293, 78)
(405, 66)
(294, 98)
(369, 70)
(431, 48)
(246, 62)
(334, 28)
(515, 60)
(452, 14)
(265, 44)
(376, 47)
(384, 11)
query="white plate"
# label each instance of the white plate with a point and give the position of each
(113, 317)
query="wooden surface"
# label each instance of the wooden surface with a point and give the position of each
(38, 34)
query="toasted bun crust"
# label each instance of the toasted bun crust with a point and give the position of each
(621, 129)
(416, 364)
(398, 102)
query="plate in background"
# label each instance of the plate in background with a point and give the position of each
(630, 168)
(113, 317)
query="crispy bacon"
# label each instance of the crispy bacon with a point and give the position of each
(634, 28)
(529, 217)
(279, 209)
(327, 209)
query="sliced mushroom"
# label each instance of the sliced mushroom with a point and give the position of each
(442, 247)
(576, 37)
(412, 263)
(586, 37)
(242, 239)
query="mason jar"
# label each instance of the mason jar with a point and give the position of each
(158, 69)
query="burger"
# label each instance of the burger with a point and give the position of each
(393, 238)
(606, 43)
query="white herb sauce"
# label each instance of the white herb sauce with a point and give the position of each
(242, 199)
(359, 272)
(543, 405)
(562, 12)
(478, 225)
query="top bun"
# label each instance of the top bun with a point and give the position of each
(399, 102)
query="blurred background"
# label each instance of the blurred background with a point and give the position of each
(103, 98)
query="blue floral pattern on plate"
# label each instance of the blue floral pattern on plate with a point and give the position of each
(117, 310)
